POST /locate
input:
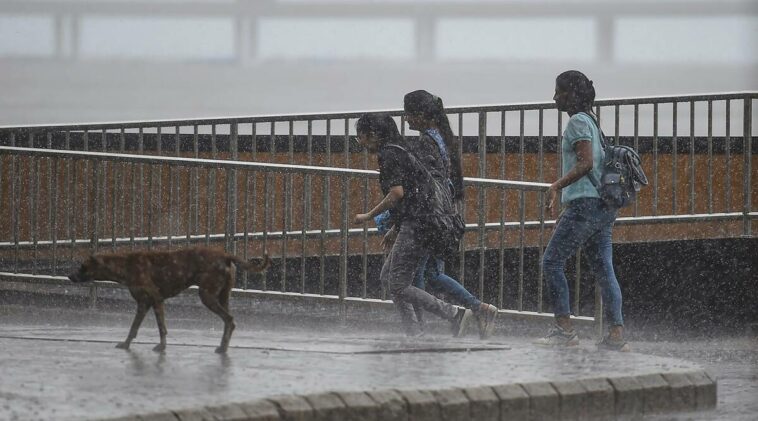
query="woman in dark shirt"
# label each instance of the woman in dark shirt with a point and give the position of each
(379, 134)
(426, 114)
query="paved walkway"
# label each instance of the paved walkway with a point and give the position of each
(66, 367)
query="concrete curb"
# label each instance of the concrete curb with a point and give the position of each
(591, 398)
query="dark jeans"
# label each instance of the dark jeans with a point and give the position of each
(587, 223)
(397, 276)
(431, 270)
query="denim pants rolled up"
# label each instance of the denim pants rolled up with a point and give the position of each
(398, 273)
(585, 223)
(431, 271)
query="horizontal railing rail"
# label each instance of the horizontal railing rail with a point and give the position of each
(64, 205)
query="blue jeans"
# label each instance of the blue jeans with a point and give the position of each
(587, 222)
(432, 272)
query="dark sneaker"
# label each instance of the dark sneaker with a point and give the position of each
(460, 322)
(485, 318)
(610, 344)
(558, 337)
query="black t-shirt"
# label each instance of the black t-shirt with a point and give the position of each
(395, 167)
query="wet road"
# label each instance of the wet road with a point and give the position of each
(67, 368)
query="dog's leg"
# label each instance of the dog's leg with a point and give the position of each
(211, 301)
(142, 308)
(159, 318)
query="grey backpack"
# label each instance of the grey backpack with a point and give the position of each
(622, 175)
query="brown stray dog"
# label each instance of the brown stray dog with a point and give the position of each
(154, 276)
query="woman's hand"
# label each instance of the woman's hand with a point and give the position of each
(389, 239)
(552, 200)
(361, 218)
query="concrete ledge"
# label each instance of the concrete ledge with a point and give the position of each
(592, 398)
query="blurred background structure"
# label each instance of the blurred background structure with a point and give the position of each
(106, 60)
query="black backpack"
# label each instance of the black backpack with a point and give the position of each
(621, 176)
(430, 203)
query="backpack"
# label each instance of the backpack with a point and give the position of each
(622, 175)
(430, 202)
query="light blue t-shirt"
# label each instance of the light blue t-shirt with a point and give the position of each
(580, 127)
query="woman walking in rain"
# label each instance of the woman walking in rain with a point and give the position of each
(378, 133)
(587, 220)
(425, 113)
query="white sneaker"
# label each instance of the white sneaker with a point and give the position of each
(559, 337)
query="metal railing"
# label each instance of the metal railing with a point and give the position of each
(51, 228)
(690, 144)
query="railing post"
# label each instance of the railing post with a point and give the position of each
(747, 138)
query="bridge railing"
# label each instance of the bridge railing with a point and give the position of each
(697, 150)
(140, 202)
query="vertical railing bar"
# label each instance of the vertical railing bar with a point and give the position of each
(211, 210)
(462, 257)
(674, 163)
(193, 194)
(692, 157)
(322, 244)
(245, 222)
(636, 147)
(327, 180)
(288, 191)
(364, 257)
(728, 157)
(541, 275)
(15, 199)
(254, 216)
(482, 147)
(522, 213)
(617, 120)
(121, 197)
(133, 197)
(33, 208)
(170, 232)
(209, 196)
(104, 187)
(577, 281)
(228, 210)
(53, 185)
(710, 156)
(85, 187)
(51, 210)
(150, 181)
(141, 150)
(541, 205)
(158, 209)
(95, 232)
(344, 245)
(232, 182)
(521, 251)
(114, 206)
(501, 262)
(70, 196)
(747, 140)
(303, 237)
(266, 198)
(177, 186)
(655, 159)
(559, 147)
(307, 207)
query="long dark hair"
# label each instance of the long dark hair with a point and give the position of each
(381, 125)
(431, 108)
(581, 92)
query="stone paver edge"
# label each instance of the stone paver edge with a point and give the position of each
(630, 396)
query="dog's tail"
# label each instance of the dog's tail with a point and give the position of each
(250, 266)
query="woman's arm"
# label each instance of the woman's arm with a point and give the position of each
(584, 164)
(391, 200)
